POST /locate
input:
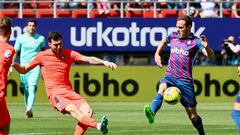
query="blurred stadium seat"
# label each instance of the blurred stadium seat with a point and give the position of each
(168, 13)
(115, 13)
(27, 13)
(150, 13)
(95, 14)
(9, 13)
(63, 13)
(79, 13)
(134, 13)
(44, 4)
(44, 13)
(226, 13)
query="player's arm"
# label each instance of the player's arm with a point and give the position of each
(22, 69)
(207, 51)
(14, 56)
(160, 48)
(97, 61)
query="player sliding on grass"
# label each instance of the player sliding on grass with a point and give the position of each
(184, 47)
(55, 66)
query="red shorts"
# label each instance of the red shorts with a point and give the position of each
(63, 97)
(4, 114)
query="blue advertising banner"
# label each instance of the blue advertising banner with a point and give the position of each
(127, 35)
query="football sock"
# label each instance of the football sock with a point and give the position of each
(87, 121)
(31, 96)
(236, 117)
(80, 129)
(199, 126)
(25, 96)
(156, 103)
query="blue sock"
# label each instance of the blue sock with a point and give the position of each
(156, 103)
(31, 97)
(199, 126)
(236, 117)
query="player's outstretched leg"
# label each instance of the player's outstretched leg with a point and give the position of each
(236, 117)
(199, 125)
(149, 114)
(104, 124)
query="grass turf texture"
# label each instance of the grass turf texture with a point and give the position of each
(124, 119)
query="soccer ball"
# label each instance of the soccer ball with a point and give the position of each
(172, 95)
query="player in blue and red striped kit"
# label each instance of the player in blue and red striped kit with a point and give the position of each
(184, 48)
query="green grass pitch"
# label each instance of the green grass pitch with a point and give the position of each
(124, 119)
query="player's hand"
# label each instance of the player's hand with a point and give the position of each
(110, 65)
(238, 70)
(204, 40)
(158, 60)
(10, 70)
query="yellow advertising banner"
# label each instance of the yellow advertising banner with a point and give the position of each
(135, 83)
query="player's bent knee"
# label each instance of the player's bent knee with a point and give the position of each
(193, 118)
(90, 112)
(70, 108)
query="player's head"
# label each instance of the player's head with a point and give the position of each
(31, 26)
(184, 25)
(55, 42)
(5, 27)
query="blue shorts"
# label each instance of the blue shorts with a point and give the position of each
(238, 97)
(30, 78)
(187, 89)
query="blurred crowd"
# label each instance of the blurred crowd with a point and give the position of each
(195, 8)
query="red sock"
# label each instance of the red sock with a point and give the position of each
(80, 129)
(87, 121)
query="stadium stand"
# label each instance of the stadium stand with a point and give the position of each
(78, 13)
(9, 13)
(41, 13)
(134, 13)
(27, 13)
(168, 13)
(63, 13)
(120, 8)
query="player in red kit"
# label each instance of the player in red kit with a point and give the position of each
(55, 67)
(6, 56)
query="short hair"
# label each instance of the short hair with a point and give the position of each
(54, 35)
(32, 20)
(187, 19)
(5, 23)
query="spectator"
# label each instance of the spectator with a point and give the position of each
(229, 54)
(208, 9)
(193, 10)
(63, 4)
(103, 6)
(74, 4)
(236, 9)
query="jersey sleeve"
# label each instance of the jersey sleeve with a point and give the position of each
(8, 54)
(171, 36)
(17, 45)
(75, 56)
(36, 61)
(43, 43)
